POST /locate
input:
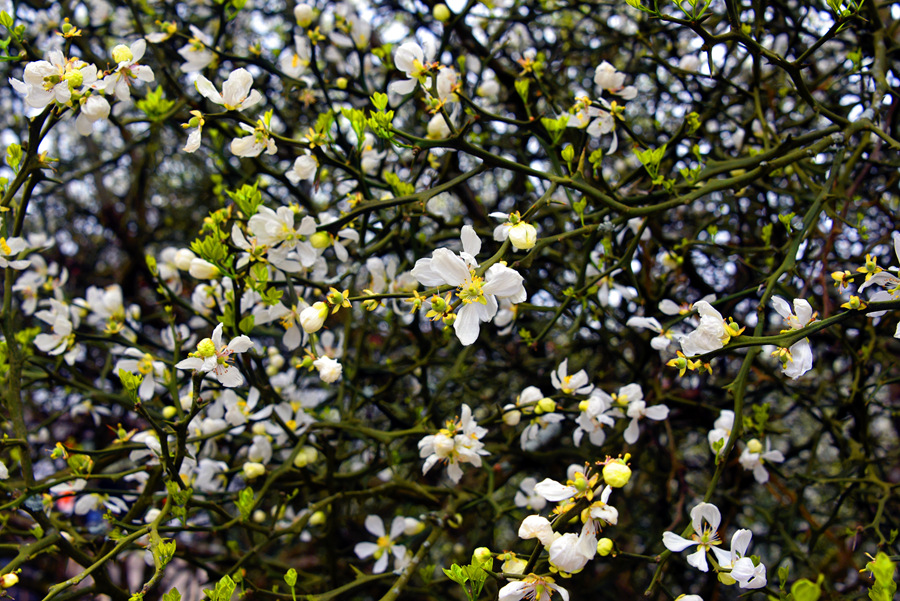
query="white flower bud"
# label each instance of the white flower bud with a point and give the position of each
(313, 318)
(252, 470)
(303, 14)
(523, 235)
(203, 270)
(329, 369)
(183, 258)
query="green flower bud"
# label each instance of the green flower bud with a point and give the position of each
(616, 473)
(604, 547)
(122, 53)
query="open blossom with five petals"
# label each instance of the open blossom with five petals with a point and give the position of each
(712, 334)
(458, 442)
(236, 93)
(479, 294)
(294, 61)
(798, 359)
(410, 59)
(259, 141)
(532, 588)
(196, 52)
(638, 410)
(705, 519)
(742, 568)
(214, 356)
(577, 383)
(55, 79)
(753, 457)
(127, 71)
(385, 546)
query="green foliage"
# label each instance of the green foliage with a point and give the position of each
(172, 595)
(245, 503)
(471, 577)
(14, 155)
(806, 590)
(155, 105)
(650, 158)
(247, 198)
(131, 382)
(223, 591)
(883, 569)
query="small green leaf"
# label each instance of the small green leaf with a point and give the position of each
(806, 590)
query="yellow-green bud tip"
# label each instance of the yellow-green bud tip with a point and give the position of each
(9, 580)
(441, 13)
(754, 446)
(320, 240)
(616, 474)
(604, 547)
(206, 348)
(122, 53)
(481, 554)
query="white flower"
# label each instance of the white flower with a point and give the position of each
(712, 334)
(295, 62)
(753, 457)
(144, 364)
(577, 383)
(798, 360)
(253, 145)
(596, 412)
(303, 14)
(61, 323)
(705, 536)
(329, 369)
(128, 70)
(304, 168)
(409, 58)
(203, 269)
(56, 79)
(533, 588)
(742, 569)
(313, 317)
(566, 554)
(522, 235)
(721, 430)
(94, 108)
(10, 247)
(527, 497)
(196, 52)
(236, 93)
(606, 77)
(214, 356)
(385, 547)
(638, 410)
(660, 342)
(479, 295)
(539, 527)
(437, 128)
(459, 442)
(4, 472)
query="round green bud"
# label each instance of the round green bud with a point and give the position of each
(341, 83)
(616, 473)
(320, 240)
(441, 13)
(169, 412)
(604, 547)
(122, 53)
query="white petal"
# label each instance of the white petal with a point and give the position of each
(374, 525)
(470, 240)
